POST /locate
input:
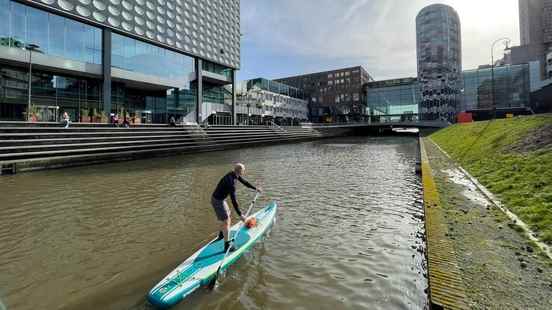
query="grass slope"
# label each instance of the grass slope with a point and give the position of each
(493, 152)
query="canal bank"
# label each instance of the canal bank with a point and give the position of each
(496, 266)
(26, 147)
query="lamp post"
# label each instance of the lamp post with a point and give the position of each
(507, 41)
(30, 47)
(248, 114)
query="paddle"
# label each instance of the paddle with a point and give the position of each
(213, 282)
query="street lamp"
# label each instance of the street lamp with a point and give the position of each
(248, 113)
(30, 47)
(507, 42)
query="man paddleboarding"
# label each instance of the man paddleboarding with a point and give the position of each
(225, 187)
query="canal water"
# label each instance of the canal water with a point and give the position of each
(99, 237)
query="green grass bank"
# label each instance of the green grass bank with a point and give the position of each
(513, 159)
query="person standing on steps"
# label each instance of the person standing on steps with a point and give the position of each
(225, 187)
(66, 119)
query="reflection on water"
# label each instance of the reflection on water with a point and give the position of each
(100, 237)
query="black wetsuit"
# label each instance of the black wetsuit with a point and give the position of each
(227, 186)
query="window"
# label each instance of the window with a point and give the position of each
(356, 97)
(18, 23)
(330, 76)
(74, 33)
(38, 34)
(218, 69)
(48, 88)
(4, 26)
(55, 35)
(134, 55)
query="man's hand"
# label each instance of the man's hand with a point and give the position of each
(243, 219)
(259, 190)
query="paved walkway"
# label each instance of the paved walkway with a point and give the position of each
(499, 267)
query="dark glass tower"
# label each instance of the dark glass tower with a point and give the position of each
(439, 51)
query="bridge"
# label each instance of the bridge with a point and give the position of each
(385, 122)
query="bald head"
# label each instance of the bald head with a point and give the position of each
(239, 169)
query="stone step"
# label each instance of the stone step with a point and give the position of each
(29, 153)
(8, 140)
(53, 135)
(84, 129)
(65, 144)
(49, 161)
(44, 147)
(32, 147)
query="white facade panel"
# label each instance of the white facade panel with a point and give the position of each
(209, 29)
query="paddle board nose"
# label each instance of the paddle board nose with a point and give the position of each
(167, 295)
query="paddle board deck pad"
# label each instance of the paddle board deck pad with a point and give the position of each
(200, 268)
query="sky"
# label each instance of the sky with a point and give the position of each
(290, 37)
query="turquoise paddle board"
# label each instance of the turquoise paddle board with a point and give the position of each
(202, 266)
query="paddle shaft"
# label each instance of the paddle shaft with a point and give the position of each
(238, 231)
(235, 237)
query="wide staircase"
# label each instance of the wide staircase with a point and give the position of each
(38, 147)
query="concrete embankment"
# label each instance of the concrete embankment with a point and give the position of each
(24, 148)
(488, 254)
(446, 288)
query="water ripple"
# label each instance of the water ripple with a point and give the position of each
(99, 237)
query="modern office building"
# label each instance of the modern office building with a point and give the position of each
(146, 60)
(439, 54)
(535, 23)
(393, 99)
(535, 18)
(511, 88)
(530, 21)
(333, 96)
(262, 101)
(399, 99)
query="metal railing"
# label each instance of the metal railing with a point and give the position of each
(395, 118)
(273, 125)
(378, 120)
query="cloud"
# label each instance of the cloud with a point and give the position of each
(378, 34)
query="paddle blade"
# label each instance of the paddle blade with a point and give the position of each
(213, 283)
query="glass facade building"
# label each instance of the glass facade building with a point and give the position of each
(262, 101)
(145, 61)
(275, 87)
(400, 99)
(439, 53)
(393, 99)
(511, 88)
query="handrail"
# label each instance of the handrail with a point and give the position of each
(274, 125)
